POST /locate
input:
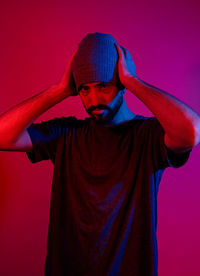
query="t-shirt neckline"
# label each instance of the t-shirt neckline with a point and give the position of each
(122, 124)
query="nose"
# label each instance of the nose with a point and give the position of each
(95, 98)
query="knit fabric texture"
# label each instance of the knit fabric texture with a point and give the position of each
(96, 60)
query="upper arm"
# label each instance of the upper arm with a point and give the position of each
(22, 144)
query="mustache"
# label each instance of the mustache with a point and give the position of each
(100, 106)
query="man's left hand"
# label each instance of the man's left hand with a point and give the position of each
(126, 66)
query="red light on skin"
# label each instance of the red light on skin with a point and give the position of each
(99, 111)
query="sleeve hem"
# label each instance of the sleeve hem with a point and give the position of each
(31, 154)
(177, 160)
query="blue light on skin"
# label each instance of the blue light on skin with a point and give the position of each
(105, 103)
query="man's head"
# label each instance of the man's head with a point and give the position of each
(94, 64)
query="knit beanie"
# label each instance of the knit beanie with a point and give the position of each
(96, 60)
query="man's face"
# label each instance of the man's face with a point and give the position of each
(101, 100)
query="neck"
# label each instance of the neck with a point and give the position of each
(123, 114)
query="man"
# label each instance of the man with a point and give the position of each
(107, 168)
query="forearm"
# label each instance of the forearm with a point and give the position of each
(17, 119)
(180, 123)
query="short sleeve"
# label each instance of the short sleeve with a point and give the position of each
(45, 137)
(162, 156)
(177, 160)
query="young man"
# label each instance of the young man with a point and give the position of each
(107, 168)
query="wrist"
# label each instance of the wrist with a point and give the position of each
(62, 90)
(57, 93)
(132, 82)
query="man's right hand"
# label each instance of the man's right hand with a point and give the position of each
(67, 82)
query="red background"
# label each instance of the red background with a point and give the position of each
(37, 40)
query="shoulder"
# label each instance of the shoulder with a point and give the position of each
(147, 124)
(65, 121)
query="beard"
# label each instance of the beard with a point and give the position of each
(107, 112)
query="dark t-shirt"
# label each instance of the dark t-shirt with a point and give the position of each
(103, 213)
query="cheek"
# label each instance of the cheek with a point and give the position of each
(110, 95)
(84, 102)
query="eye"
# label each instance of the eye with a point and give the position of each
(83, 91)
(105, 88)
(103, 85)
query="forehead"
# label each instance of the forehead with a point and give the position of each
(95, 84)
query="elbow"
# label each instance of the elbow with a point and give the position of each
(196, 139)
(4, 146)
(5, 143)
(183, 140)
(193, 137)
(196, 131)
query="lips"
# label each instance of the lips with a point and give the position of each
(98, 111)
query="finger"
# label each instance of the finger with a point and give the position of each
(119, 50)
(125, 51)
(127, 54)
(69, 64)
(71, 58)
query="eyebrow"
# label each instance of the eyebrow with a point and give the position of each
(96, 85)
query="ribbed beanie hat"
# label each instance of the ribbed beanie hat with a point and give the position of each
(96, 60)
